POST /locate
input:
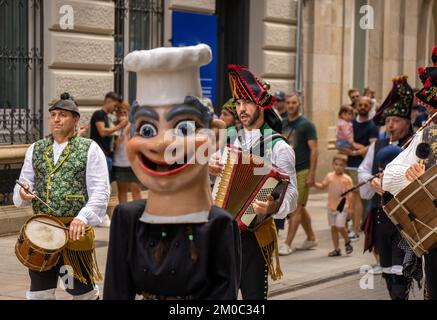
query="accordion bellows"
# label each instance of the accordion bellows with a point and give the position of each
(244, 179)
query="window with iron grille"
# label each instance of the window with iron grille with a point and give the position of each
(21, 71)
(139, 25)
(21, 82)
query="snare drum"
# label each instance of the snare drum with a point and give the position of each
(39, 245)
(414, 211)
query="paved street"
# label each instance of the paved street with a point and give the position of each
(307, 274)
(347, 288)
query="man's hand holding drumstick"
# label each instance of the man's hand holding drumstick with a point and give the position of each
(77, 226)
(25, 194)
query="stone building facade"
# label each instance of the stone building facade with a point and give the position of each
(337, 53)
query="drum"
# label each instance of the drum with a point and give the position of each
(414, 211)
(39, 245)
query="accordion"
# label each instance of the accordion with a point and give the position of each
(240, 184)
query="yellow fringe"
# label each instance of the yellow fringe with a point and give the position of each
(267, 238)
(82, 253)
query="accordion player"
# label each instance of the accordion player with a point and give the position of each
(245, 178)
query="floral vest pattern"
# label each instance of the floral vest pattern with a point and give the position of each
(61, 185)
(430, 136)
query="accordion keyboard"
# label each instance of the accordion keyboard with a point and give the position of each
(222, 181)
(249, 215)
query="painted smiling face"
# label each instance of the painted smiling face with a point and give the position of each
(164, 151)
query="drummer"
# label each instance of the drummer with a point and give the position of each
(406, 168)
(65, 171)
(395, 114)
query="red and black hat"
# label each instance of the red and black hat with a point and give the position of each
(398, 103)
(244, 85)
(428, 94)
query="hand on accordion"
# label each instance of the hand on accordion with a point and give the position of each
(265, 207)
(214, 165)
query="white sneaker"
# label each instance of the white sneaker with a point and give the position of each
(285, 249)
(106, 223)
(308, 244)
(354, 237)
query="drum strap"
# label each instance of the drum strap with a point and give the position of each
(267, 239)
(81, 255)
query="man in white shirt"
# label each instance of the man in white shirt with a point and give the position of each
(70, 173)
(259, 123)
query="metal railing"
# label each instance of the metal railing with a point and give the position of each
(139, 25)
(21, 83)
(21, 71)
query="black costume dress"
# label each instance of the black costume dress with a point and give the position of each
(132, 267)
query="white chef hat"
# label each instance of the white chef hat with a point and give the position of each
(167, 75)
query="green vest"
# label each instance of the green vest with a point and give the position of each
(61, 185)
(232, 134)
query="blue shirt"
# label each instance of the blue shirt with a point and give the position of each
(363, 132)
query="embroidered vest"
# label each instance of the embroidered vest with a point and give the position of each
(430, 136)
(61, 185)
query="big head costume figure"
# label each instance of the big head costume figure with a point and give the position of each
(167, 119)
(164, 247)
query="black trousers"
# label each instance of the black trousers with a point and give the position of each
(387, 238)
(431, 273)
(46, 280)
(397, 286)
(254, 273)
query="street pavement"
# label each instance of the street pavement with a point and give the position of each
(303, 270)
(346, 288)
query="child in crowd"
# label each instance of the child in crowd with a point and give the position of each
(344, 131)
(338, 182)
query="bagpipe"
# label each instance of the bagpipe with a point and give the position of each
(388, 155)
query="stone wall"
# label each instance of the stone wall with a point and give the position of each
(272, 42)
(392, 49)
(327, 41)
(79, 60)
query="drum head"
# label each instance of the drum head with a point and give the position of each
(45, 236)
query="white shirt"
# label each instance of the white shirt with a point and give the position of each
(394, 179)
(365, 172)
(97, 182)
(284, 159)
(119, 158)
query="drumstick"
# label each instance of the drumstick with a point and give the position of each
(36, 197)
(53, 225)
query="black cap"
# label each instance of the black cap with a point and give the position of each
(280, 95)
(66, 103)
